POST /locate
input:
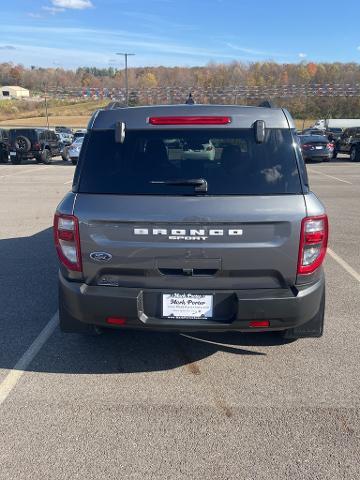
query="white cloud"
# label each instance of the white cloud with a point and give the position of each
(7, 47)
(302, 55)
(53, 10)
(252, 51)
(72, 4)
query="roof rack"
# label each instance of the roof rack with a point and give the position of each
(267, 104)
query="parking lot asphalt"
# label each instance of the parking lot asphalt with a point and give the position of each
(153, 405)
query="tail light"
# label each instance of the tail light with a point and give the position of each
(36, 146)
(67, 241)
(306, 146)
(313, 243)
(330, 146)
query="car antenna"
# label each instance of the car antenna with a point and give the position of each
(190, 100)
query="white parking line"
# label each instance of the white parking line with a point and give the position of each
(344, 264)
(67, 183)
(12, 378)
(330, 176)
(25, 171)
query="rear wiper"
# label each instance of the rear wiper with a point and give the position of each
(200, 184)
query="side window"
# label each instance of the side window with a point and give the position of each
(42, 137)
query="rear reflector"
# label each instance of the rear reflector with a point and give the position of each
(206, 120)
(116, 320)
(313, 243)
(259, 323)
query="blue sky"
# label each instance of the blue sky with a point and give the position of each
(72, 33)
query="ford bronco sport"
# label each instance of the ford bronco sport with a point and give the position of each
(151, 238)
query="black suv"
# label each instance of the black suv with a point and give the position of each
(4, 144)
(349, 142)
(38, 143)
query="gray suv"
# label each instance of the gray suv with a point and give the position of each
(227, 238)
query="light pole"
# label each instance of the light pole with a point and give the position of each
(126, 55)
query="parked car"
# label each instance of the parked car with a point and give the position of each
(65, 138)
(349, 143)
(144, 243)
(74, 149)
(316, 148)
(313, 131)
(28, 143)
(63, 130)
(4, 145)
(334, 133)
(201, 149)
(80, 133)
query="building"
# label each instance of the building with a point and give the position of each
(11, 92)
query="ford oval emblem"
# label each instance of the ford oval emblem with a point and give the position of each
(100, 256)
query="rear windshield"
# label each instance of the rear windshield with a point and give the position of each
(178, 162)
(313, 138)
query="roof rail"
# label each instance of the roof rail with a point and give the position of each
(267, 104)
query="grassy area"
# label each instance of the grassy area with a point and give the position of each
(75, 121)
(71, 113)
(19, 110)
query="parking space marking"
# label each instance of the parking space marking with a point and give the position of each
(25, 171)
(344, 264)
(12, 378)
(330, 176)
(67, 183)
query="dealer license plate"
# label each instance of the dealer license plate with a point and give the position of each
(187, 305)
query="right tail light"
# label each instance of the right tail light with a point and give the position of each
(313, 243)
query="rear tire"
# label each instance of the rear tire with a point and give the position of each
(353, 153)
(314, 328)
(335, 154)
(73, 161)
(3, 156)
(357, 153)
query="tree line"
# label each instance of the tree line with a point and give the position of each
(211, 76)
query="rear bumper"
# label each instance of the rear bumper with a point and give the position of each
(317, 157)
(284, 308)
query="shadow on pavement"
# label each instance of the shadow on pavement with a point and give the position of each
(56, 161)
(28, 297)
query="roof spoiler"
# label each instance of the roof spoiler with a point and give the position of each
(267, 104)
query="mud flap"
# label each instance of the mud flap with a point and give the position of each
(311, 329)
(69, 324)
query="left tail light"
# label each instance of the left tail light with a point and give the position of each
(67, 241)
(313, 243)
